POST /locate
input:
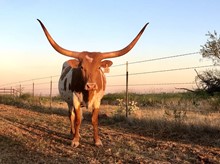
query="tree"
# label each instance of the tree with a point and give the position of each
(209, 80)
(211, 49)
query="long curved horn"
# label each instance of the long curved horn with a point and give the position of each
(56, 46)
(124, 50)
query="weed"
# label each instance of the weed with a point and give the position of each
(132, 107)
(176, 114)
(25, 96)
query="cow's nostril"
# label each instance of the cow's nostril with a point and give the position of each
(88, 86)
(91, 86)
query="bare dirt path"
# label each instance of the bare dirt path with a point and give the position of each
(38, 136)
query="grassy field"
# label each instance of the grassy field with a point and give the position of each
(165, 129)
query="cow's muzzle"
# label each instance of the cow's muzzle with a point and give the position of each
(91, 86)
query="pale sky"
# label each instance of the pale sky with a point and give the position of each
(175, 27)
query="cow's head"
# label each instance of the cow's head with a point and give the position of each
(90, 62)
(90, 69)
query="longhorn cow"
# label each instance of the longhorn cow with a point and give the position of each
(83, 81)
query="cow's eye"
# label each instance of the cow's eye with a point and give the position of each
(81, 67)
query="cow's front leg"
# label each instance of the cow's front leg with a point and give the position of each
(75, 141)
(78, 119)
(95, 114)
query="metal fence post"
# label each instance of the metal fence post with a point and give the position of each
(20, 90)
(33, 90)
(126, 89)
(51, 92)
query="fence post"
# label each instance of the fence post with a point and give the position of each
(126, 89)
(20, 90)
(33, 90)
(51, 92)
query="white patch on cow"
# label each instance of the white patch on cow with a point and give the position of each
(65, 93)
(89, 58)
(65, 64)
(96, 100)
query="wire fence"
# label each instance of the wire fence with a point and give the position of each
(144, 80)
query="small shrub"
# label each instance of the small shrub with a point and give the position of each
(176, 110)
(132, 107)
(176, 114)
(215, 104)
(25, 96)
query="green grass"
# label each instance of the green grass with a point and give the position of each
(39, 104)
(199, 101)
(170, 100)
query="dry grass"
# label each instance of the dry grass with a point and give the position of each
(36, 134)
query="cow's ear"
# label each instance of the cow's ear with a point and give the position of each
(106, 63)
(73, 63)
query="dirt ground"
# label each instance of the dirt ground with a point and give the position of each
(42, 136)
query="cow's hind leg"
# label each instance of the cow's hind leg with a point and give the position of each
(72, 119)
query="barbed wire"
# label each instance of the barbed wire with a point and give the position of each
(165, 70)
(130, 74)
(149, 84)
(24, 81)
(135, 62)
(160, 58)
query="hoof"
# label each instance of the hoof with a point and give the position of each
(98, 143)
(74, 144)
